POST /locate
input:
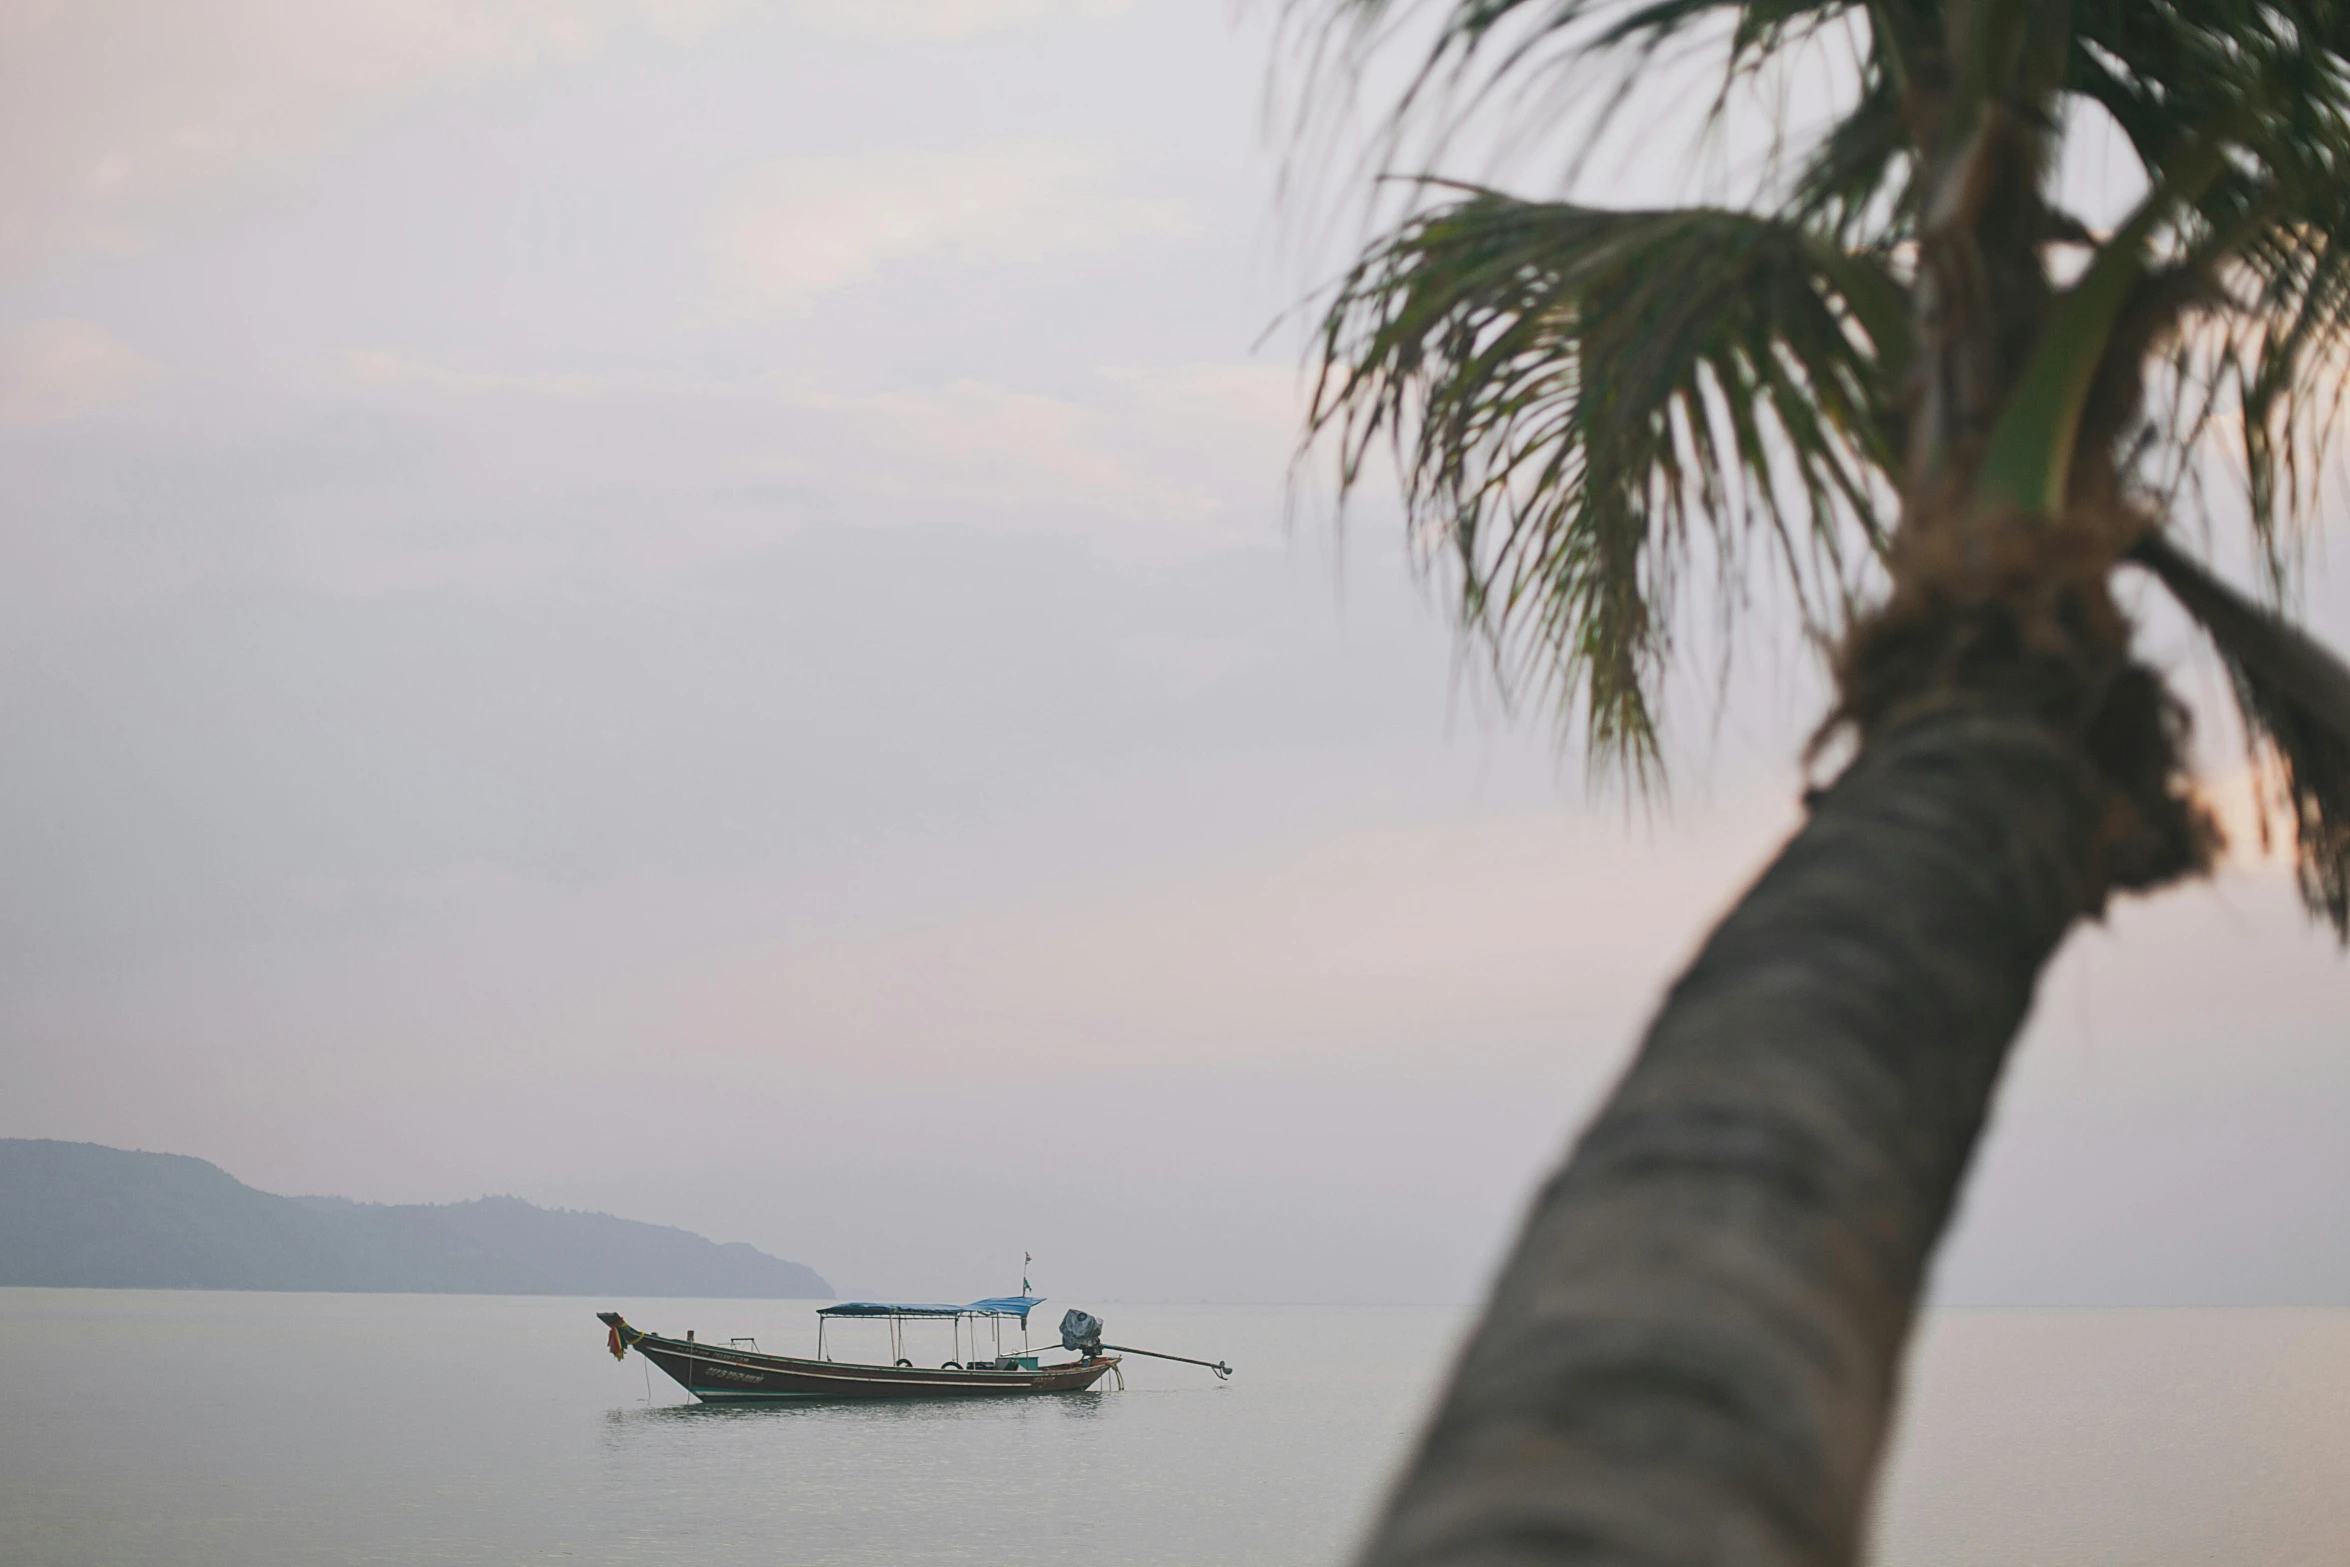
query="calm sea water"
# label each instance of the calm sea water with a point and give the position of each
(154, 1427)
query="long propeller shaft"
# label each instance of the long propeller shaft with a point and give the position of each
(1217, 1366)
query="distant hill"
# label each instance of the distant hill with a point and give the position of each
(77, 1214)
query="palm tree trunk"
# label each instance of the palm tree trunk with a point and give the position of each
(1692, 1356)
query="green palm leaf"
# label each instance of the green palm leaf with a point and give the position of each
(1574, 395)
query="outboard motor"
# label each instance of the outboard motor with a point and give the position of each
(1082, 1332)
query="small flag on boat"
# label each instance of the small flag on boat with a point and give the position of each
(619, 1349)
(1025, 1259)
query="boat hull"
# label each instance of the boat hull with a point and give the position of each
(735, 1376)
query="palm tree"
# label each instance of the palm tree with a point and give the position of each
(1907, 374)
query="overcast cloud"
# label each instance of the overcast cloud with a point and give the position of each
(687, 609)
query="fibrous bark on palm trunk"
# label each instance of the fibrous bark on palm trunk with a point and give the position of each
(1689, 1358)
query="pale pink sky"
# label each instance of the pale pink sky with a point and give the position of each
(685, 609)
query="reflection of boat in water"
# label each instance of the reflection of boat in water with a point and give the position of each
(739, 1372)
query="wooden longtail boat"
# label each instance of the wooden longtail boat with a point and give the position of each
(733, 1374)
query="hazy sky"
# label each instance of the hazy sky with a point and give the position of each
(684, 609)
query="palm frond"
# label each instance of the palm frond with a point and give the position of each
(2260, 348)
(2295, 697)
(2282, 345)
(1856, 181)
(1575, 398)
(1573, 395)
(2266, 247)
(1524, 27)
(1478, 44)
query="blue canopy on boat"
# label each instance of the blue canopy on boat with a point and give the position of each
(1005, 1306)
(996, 1306)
